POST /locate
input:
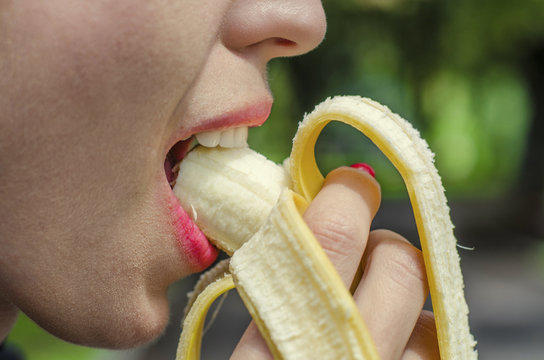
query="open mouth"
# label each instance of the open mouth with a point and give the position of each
(228, 138)
(174, 157)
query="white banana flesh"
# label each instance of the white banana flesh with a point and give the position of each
(229, 192)
(285, 279)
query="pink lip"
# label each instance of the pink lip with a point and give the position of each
(251, 116)
(191, 241)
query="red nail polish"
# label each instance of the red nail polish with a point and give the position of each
(364, 167)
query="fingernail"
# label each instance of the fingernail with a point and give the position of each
(364, 167)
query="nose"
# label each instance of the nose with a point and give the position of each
(274, 28)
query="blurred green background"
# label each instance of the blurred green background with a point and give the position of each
(458, 70)
(468, 74)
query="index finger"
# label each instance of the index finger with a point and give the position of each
(340, 217)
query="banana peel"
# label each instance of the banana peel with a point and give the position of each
(286, 281)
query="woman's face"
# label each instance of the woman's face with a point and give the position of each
(93, 97)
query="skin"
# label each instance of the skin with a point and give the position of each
(93, 95)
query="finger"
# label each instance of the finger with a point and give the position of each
(423, 343)
(392, 291)
(252, 346)
(340, 217)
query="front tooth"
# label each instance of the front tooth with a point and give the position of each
(227, 139)
(234, 137)
(240, 136)
(209, 138)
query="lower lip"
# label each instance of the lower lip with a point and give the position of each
(192, 243)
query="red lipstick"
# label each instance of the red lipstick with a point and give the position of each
(192, 242)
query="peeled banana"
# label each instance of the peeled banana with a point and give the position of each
(252, 209)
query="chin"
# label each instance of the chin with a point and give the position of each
(134, 332)
(124, 325)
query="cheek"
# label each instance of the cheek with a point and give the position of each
(137, 54)
(97, 280)
(90, 94)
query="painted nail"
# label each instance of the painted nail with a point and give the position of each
(364, 167)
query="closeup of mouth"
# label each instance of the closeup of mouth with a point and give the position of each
(228, 138)
(229, 130)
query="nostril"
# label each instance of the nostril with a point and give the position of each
(284, 42)
(279, 28)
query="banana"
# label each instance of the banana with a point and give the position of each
(285, 279)
(252, 181)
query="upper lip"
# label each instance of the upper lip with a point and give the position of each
(252, 116)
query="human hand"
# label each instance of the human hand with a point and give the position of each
(393, 287)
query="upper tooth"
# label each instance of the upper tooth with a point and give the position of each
(227, 138)
(209, 138)
(233, 137)
(240, 136)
